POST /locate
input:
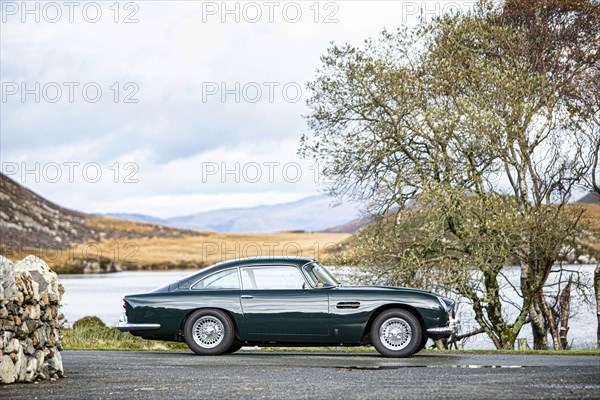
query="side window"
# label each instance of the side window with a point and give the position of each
(227, 279)
(272, 278)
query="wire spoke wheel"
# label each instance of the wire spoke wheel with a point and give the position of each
(208, 332)
(395, 333)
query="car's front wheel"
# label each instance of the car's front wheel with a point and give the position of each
(396, 333)
(235, 346)
(209, 332)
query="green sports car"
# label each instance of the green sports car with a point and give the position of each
(286, 302)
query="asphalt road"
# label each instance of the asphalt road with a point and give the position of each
(149, 375)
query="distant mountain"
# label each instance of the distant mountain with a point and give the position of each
(349, 227)
(135, 217)
(313, 213)
(27, 220)
(590, 198)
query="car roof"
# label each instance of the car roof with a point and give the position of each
(263, 261)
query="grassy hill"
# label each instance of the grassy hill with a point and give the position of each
(74, 242)
(591, 219)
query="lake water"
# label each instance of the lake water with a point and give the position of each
(102, 295)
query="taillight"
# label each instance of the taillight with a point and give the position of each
(124, 306)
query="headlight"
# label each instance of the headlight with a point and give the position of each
(447, 304)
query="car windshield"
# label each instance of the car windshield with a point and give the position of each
(319, 276)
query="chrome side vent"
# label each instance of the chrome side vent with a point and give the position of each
(347, 304)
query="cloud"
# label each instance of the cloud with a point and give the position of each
(200, 91)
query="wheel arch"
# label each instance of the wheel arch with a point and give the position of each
(366, 337)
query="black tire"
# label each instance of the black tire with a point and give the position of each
(209, 332)
(424, 340)
(235, 346)
(404, 341)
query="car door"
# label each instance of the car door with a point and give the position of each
(279, 306)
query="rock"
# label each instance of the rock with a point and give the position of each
(8, 325)
(31, 369)
(34, 312)
(33, 263)
(44, 300)
(55, 364)
(26, 286)
(8, 372)
(7, 277)
(584, 259)
(5, 336)
(32, 324)
(30, 339)
(41, 274)
(21, 365)
(28, 348)
(22, 331)
(47, 314)
(13, 308)
(12, 346)
(39, 356)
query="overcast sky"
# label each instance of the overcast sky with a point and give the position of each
(170, 107)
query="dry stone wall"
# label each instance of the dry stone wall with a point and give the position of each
(30, 295)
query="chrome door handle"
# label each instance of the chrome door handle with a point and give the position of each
(247, 296)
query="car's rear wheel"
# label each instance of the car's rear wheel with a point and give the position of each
(396, 333)
(209, 332)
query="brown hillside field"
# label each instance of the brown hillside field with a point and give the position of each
(591, 216)
(591, 219)
(202, 250)
(123, 228)
(216, 247)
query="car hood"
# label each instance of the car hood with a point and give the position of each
(449, 303)
(384, 289)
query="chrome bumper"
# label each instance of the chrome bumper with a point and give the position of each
(125, 326)
(451, 329)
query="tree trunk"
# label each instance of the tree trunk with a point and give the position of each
(597, 289)
(538, 327)
(550, 321)
(441, 344)
(565, 310)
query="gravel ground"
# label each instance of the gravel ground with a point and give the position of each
(179, 375)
